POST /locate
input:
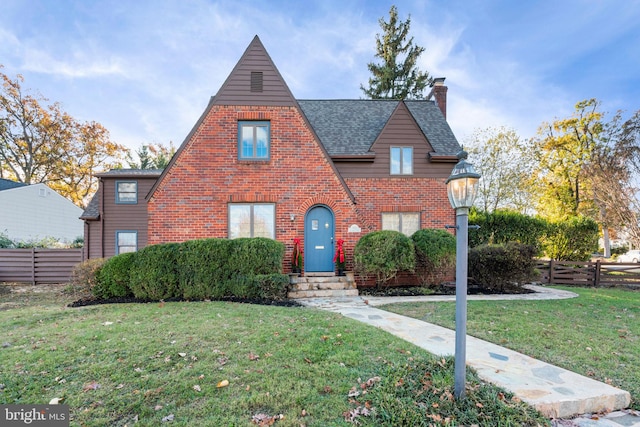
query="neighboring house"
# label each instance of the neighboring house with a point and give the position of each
(34, 212)
(258, 162)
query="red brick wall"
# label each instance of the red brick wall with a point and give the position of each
(191, 201)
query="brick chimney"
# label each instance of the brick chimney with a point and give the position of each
(439, 93)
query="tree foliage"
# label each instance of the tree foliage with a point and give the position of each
(151, 156)
(563, 151)
(40, 143)
(503, 160)
(397, 76)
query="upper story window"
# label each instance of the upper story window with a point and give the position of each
(253, 140)
(127, 192)
(405, 222)
(401, 160)
(252, 220)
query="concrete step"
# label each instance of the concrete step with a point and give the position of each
(323, 293)
(310, 286)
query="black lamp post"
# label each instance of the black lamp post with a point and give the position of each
(462, 187)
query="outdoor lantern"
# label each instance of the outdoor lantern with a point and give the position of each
(462, 186)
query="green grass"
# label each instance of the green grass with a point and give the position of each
(139, 363)
(595, 335)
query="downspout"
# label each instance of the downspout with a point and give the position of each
(101, 216)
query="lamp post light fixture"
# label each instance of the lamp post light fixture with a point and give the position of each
(462, 186)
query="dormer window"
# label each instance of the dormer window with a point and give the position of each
(401, 160)
(253, 140)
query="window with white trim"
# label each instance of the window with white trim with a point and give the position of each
(126, 241)
(401, 160)
(253, 140)
(127, 192)
(405, 222)
(252, 220)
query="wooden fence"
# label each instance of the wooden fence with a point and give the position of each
(38, 265)
(593, 273)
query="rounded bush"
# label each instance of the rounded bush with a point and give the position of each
(496, 267)
(435, 254)
(114, 277)
(383, 254)
(154, 273)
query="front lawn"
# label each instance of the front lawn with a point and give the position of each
(596, 334)
(229, 364)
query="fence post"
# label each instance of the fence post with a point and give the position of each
(551, 268)
(596, 279)
(33, 266)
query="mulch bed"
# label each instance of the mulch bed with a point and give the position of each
(122, 300)
(444, 289)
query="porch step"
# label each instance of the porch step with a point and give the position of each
(322, 286)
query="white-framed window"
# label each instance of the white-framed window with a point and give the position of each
(253, 140)
(401, 160)
(252, 220)
(405, 222)
(126, 241)
(126, 192)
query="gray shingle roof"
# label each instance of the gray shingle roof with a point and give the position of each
(7, 184)
(92, 211)
(350, 127)
(132, 172)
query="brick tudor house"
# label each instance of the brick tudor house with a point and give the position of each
(259, 162)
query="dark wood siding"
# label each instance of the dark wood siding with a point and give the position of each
(122, 217)
(237, 89)
(400, 131)
(92, 241)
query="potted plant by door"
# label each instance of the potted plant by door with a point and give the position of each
(296, 257)
(338, 258)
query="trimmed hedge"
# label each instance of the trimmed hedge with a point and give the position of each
(573, 239)
(496, 267)
(113, 277)
(503, 226)
(435, 254)
(383, 254)
(198, 269)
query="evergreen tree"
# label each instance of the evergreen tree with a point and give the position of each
(397, 77)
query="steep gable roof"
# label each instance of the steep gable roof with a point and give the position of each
(350, 127)
(7, 184)
(255, 80)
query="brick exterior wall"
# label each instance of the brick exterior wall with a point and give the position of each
(191, 201)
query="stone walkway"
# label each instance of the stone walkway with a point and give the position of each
(564, 396)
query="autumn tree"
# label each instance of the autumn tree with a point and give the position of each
(563, 151)
(613, 171)
(397, 76)
(504, 161)
(40, 143)
(151, 156)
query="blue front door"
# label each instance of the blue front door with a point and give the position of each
(318, 240)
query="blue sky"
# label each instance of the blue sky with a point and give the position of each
(146, 69)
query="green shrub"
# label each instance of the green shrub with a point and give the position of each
(273, 286)
(435, 254)
(384, 254)
(115, 276)
(155, 272)
(573, 239)
(5, 241)
(503, 226)
(496, 267)
(258, 255)
(204, 271)
(84, 276)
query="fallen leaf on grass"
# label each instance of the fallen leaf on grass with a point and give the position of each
(265, 420)
(223, 383)
(91, 386)
(168, 418)
(253, 356)
(197, 388)
(56, 400)
(107, 323)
